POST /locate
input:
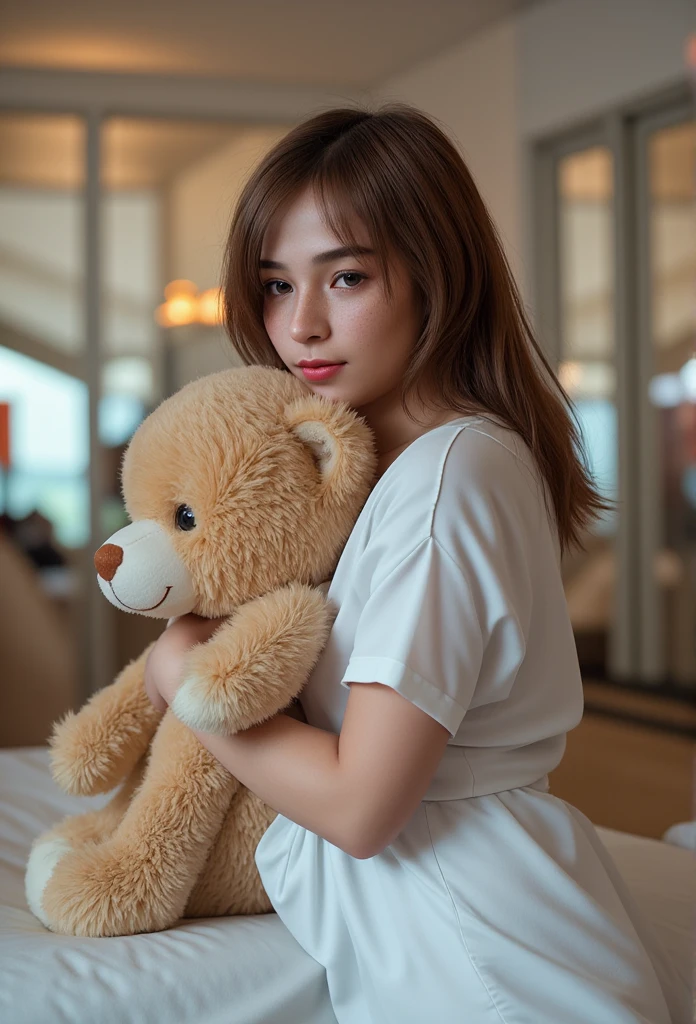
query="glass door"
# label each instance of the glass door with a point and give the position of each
(587, 370)
(666, 160)
(616, 291)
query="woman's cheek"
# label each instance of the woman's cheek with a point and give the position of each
(275, 333)
(269, 321)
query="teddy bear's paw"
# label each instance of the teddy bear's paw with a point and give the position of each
(199, 706)
(215, 704)
(83, 761)
(91, 755)
(45, 856)
(255, 665)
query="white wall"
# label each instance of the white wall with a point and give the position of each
(576, 58)
(472, 88)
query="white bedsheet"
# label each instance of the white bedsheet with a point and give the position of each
(244, 970)
(241, 970)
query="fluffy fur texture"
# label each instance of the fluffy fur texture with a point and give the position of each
(275, 478)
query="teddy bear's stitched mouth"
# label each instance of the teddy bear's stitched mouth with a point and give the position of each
(150, 609)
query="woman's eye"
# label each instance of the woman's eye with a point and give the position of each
(351, 279)
(271, 284)
(184, 518)
(355, 278)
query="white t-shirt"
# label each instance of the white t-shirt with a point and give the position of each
(449, 591)
(496, 901)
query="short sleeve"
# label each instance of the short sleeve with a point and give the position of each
(419, 633)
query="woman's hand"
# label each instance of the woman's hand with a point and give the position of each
(165, 662)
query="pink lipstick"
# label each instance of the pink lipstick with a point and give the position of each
(320, 372)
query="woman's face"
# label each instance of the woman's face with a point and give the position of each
(321, 304)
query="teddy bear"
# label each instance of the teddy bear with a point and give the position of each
(242, 489)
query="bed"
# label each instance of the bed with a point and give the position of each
(246, 970)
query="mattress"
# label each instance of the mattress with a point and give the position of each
(242, 970)
(235, 970)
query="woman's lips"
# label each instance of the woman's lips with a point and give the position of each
(315, 373)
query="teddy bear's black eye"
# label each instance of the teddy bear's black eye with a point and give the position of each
(184, 518)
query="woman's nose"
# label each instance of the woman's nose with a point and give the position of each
(309, 320)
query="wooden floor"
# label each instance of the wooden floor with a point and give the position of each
(629, 776)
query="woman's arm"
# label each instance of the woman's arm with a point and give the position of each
(356, 790)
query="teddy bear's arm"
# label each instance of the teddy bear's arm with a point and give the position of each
(256, 663)
(93, 750)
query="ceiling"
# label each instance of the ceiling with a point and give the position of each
(308, 42)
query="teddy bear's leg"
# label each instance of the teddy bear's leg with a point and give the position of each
(230, 882)
(93, 750)
(140, 878)
(71, 833)
(95, 826)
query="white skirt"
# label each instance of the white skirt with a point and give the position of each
(500, 909)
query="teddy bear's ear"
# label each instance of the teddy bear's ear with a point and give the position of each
(319, 438)
(328, 429)
(341, 443)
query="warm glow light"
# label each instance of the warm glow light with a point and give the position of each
(209, 306)
(177, 311)
(181, 287)
(161, 315)
(182, 309)
(185, 305)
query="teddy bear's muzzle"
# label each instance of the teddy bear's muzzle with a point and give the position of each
(139, 570)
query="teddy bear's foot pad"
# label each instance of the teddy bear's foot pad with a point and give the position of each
(97, 891)
(43, 860)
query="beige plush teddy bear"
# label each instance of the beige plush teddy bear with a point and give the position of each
(242, 489)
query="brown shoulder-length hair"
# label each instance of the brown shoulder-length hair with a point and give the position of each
(397, 171)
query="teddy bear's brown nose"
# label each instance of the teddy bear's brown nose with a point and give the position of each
(107, 560)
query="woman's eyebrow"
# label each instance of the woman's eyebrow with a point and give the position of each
(323, 257)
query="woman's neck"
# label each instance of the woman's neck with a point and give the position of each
(393, 429)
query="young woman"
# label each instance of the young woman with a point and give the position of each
(418, 854)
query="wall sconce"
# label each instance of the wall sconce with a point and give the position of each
(184, 304)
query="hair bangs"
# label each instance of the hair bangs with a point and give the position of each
(344, 196)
